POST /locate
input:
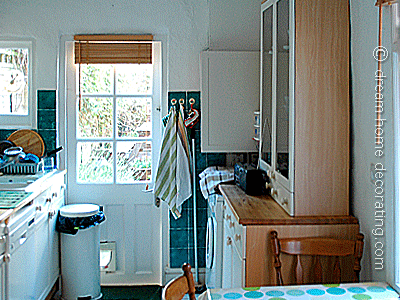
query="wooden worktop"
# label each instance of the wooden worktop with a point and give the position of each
(263, 210)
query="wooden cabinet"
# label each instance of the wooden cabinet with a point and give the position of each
(304, 105)
(249, 221)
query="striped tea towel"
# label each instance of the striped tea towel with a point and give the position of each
(173, 179)
(212, 176)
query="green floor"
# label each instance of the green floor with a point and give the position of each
(152, 292)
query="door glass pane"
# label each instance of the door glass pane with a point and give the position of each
(96, 79)
(134, 117)
(95, 117)
(133, 161)
(282, 90)
(267, 86)
(95, 163)
(134, 79)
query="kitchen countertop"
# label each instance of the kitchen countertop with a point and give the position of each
(263, 210)
(37, 187)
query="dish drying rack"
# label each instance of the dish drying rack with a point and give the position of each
(21, 169)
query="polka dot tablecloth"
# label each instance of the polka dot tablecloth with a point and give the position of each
(356, 291)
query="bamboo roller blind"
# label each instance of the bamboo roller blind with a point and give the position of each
(113, 49)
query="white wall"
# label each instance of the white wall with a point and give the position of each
(182, 24)
(364, 40)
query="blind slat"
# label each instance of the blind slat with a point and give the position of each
(94, 51)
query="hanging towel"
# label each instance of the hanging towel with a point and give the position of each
(211, 177)
(173, 179)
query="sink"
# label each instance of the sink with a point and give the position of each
(17, 182)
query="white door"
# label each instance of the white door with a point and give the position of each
(113, 134)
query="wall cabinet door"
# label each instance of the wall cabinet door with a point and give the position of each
(304, 105)
(230, 95)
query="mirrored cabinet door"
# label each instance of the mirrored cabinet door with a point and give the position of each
(282, 89)
(266, 85)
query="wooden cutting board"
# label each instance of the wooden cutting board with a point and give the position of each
(29, 140)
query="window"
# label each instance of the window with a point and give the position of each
(17, 104)
(114, 138)
(114, 115)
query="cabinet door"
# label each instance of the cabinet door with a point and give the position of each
(230, 88)
(282, 119)
(227, 259)
(238, 268)
(22, 271)
(266, 86)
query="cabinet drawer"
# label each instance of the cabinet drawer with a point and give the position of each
(236, 231)
(283, 197)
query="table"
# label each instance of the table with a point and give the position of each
(357, 291)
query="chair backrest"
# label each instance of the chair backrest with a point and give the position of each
(179, 286)
(317, 247)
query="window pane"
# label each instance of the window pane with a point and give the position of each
(95, 117)
(95, 162)
(134, 117)
(97, 79)
(134, 79)
(133, 161)
(14, 68)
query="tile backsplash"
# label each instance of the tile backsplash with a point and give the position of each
(181, 230)
(46, 119)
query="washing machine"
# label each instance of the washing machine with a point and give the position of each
(214, 240)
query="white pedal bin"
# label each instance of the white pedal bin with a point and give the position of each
(80, 255)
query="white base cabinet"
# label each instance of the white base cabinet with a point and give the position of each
(33, 267)
(234, 262)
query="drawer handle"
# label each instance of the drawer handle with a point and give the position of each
(228, 217)
(38, 208)
(54, 195)
(52, 214)
(48, 200)
(228, 241)
(238, 237)
(231, 224)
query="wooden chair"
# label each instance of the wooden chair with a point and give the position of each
(178, 287)
(316, 247)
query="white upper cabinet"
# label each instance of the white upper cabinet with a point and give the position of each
(229, 97)
(304, 104)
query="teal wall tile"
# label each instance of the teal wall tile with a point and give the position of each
(179, 238)
(46, 99)
(216, 159)
(49, 137)
(46, 119)
(178, 257)
(5, 133)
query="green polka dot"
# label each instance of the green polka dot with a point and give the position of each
(361, 297)
(253, 295)
(215, 296)
(295, 293)
(376, 289)
(331, 284)
(315, 292)
(335, 291)
(275, 293)
(251, 288)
